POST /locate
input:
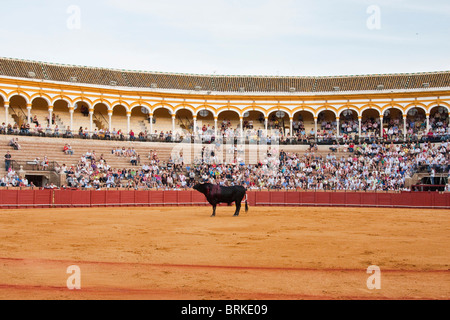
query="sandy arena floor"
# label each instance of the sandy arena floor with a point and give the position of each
(266, 254)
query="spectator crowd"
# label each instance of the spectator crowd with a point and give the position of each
(354, 167)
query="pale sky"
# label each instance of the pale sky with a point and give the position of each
(231, 37)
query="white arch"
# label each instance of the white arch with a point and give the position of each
(434, 105)
(387, 107)
(344, 108)
(285, 110)
(83, 101)
(161, 106)
(371, 107)
(225, 110)
(416, 106)
(19, 95)
(141, 106)
(184, 107)
(207, 108)
(319, 111)
(69, 104)
(42, 97)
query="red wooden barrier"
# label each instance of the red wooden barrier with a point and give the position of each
(384, 199)
(335, 198)
(440, 200)
(308, 198)
(111, 198)
(128, 198)
(9, 199)
(251, 198)
(277, 199)
(369, 199)
(401, 199)
(43, 198)
(293, 198)
(421, 200)
(171, 198)
(156, 198)
(141, 198)
(198, 199)
(98, 198)
(26, 198)
(81, 198)
(262, 198)
(12, 199)
(352, 199)
(62, 198)
(322, 198)
(185, 198)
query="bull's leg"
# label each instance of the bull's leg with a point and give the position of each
(238, 208)
(214, 210)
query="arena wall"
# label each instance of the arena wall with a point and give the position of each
(15, 199)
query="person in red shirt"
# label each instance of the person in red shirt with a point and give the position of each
(351, 147)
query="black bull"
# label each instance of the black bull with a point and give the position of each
(217, 194)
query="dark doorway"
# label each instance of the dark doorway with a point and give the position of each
(38, 181)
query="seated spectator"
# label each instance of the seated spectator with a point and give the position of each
(351, 147)
(48, 131)
(39, 130)
(14, 142)
(68, 149)
(56, 131)
(45, 163)
(68, 133)
(334, 147)
(133, 160)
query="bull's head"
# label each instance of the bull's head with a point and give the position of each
(200, 187)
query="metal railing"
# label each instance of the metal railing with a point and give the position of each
(34, 165)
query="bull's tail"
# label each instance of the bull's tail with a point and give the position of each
(246, 203)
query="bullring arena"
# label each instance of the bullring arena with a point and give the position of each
(267, 254)
(132, 238)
